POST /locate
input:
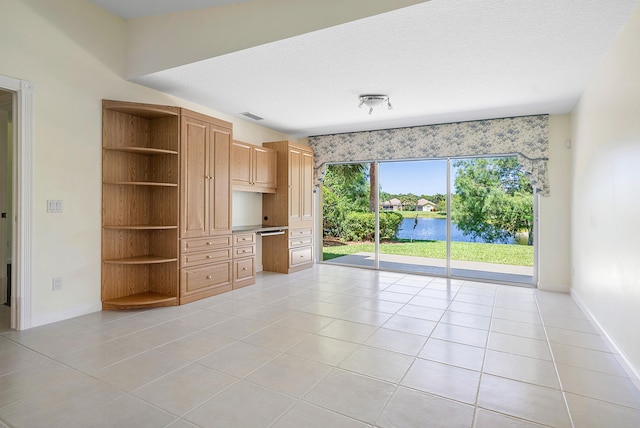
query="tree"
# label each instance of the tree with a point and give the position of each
(345, 189)
(409, 201)
(493, 199)
(373, 179)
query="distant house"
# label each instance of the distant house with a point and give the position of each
(425, 205)
(392, 205)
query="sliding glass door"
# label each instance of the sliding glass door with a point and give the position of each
(467, 218)
(349, 215)
(413, 216)
(492, 220)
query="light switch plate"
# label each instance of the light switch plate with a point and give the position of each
(54, 206)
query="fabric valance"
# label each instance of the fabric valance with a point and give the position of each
(527, 137)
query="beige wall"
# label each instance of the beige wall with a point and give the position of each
(554, 238)
(606, 188)
(73, 52)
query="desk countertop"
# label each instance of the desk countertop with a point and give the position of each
(258, 228)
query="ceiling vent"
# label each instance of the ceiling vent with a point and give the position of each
(251, 116)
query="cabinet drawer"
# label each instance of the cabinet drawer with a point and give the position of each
(299, 256)
(303, 231)
(205, 278)
(244, 238)
(304, 241)
(212, 256)
(243, 269)
(244, 251)
(200, 244)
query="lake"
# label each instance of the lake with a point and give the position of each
(433, 229)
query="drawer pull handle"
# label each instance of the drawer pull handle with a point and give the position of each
(301, 242)
(209, 277)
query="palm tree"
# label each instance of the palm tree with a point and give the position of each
(373, 179)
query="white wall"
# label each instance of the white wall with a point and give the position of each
(554, 243)
(606, 188)
(74, 52)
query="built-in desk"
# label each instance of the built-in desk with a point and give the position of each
(244, 251)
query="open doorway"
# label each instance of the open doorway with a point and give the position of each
(6, 197)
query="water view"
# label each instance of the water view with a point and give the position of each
(433, 229)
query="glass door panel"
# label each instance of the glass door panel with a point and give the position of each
(492, 212)
(348, 215)
(413, 225)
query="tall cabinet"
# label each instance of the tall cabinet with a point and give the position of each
(205, 207)
(140, 176)
(292, 206)
(166, 206)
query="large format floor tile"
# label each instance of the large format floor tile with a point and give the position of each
(330, 346)
(350, 394)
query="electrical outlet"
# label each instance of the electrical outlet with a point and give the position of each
(57, 283)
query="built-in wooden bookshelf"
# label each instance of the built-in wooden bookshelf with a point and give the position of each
(140, 174)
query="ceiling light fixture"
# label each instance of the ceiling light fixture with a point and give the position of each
(372, 101)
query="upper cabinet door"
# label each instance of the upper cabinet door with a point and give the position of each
(265, 168)
(194, 191)
(219, 170)
(295, 182)
(241, 164)
(306, 187)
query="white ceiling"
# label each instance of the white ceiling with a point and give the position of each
(439, 61)
(138, 8)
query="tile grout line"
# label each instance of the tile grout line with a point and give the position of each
(555, 365)
(484, 360)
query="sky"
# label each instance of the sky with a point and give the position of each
(417, 177)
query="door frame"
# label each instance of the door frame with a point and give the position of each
(22, 200)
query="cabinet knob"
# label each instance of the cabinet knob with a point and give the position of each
(209, 243)
(209, 277)
(244, 268)
(209, 257)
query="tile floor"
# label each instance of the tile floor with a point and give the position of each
(328, 347)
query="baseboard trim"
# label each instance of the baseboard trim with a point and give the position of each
(626, 364)
(553, 287)
(76, 311)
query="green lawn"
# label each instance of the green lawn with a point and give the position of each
(421, 214)
(508, 254)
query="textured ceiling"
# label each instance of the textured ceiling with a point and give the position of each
(138, 8)
(439, 61)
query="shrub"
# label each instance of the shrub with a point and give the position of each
(359, 226)
(389, 224)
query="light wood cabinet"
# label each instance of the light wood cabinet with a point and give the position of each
(244, 259)
(166, 206)
(140, 179)
(292, 206)
(205, 215)
(253, 168)
(205, 191)
(206, 267)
